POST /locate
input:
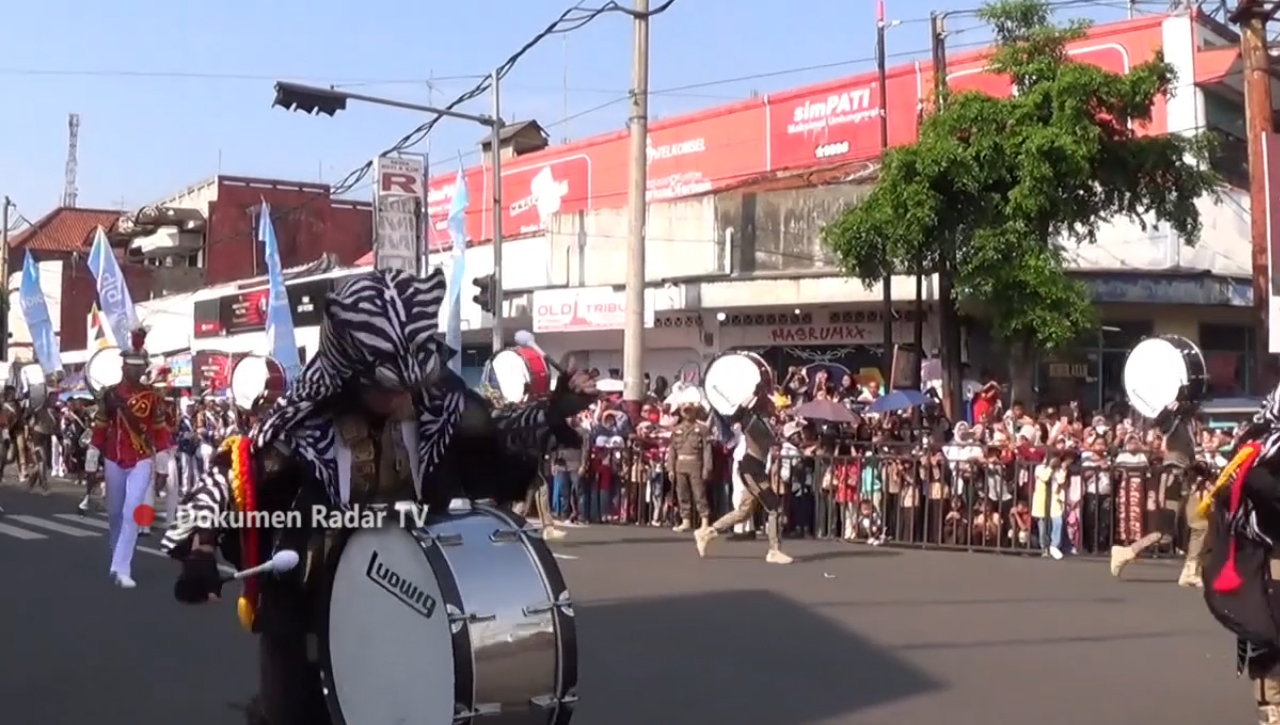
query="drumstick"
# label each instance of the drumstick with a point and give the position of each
(281, 562)
(525, 339)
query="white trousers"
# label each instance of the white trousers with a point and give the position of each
(188, 473)
(739, 490)
(126, 491)
(206, 456)
(56, 465)
(165, 464)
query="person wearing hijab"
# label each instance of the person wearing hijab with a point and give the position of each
(374, 417)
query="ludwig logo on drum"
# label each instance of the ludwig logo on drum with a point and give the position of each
(400, 587)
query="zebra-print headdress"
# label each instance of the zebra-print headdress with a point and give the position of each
(1265, 427)
(379, 329)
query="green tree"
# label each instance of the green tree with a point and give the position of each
(996, 189)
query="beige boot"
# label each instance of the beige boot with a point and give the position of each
(551, 533)
(1121, 556)
(775, 556)
(1190, 576)
(1268, 715)
(706, 522)
(702, 537)
(685, 525)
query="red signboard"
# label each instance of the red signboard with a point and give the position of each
(831, 123)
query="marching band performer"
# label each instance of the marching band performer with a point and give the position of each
(1241, 556)
(375, 417)
(129, 427)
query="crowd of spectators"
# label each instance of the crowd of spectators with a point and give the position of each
(1053, 480)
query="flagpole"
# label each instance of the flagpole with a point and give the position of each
(495, 142)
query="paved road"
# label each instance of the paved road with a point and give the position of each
(846, 635)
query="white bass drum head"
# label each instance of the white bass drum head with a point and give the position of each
(1154, 375)
(512, 375)
(248, 380)
(389, 640)
(105, 368)
(730, 383)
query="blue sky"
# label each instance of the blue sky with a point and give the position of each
(170, 93)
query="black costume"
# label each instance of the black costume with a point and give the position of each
(379, 332)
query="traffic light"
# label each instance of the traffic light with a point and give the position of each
(485, 297)
(296, 97)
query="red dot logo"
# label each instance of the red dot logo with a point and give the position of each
(144, 515)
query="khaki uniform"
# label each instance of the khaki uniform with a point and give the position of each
(689, 466)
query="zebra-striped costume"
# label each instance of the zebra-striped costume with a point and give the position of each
(380, 329)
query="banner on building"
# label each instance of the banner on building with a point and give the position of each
(398, 203)
(247, 311)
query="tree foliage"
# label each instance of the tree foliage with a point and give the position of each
(998, 188)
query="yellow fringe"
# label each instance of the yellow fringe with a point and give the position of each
(245, 609)
(1224, 479)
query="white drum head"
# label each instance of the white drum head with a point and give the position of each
(511, 374)
(731, 382)
(105, 368)
(1154, 374)
(390, 644)
(248, 380)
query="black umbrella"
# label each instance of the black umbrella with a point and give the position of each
(826, 410)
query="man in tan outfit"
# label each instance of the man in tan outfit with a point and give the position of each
(689, 466)
(749, 469)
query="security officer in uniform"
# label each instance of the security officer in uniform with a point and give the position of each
(689, 466)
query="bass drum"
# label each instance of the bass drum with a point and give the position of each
(252, 377)
(735, 381)
(104, 369)
(32, 387)
(1163, 373)
(466, 619)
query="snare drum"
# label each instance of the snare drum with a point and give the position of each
(467, 618)
(521, 375)
(734, 381)
(1164, 371)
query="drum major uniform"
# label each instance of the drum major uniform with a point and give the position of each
(129, 427)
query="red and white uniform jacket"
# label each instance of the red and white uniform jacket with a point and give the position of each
(131, 424)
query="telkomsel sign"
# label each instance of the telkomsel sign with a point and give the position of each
(398, 203)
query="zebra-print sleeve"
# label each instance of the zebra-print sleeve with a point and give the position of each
(205, 503)
(528, 429)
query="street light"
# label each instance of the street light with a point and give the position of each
(316, 100)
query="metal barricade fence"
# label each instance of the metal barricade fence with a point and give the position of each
(905, 495)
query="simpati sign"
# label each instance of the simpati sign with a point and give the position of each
(583, 309)
(398, 203)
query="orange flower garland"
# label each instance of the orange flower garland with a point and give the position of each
(244, 491)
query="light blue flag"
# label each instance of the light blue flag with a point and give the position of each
(35, 310)
(280, 336)
(458, 235)
(113, 292)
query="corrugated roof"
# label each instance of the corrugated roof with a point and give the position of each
(64, 229)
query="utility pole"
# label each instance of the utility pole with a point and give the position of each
(5, 205)
(633, 391)
(948, 319)
(1252, 17)
(882, 73)
(495, 155)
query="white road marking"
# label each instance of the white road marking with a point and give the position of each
(566, 557)
(40, 523)
(84, 520)
(18, 533)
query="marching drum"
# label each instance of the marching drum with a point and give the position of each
(465, 619)
(32, 386)
(521, 374)
(1162, 373)
(252, 376)
(735, 381)
(104, 369)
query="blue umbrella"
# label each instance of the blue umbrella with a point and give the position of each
(898, 400)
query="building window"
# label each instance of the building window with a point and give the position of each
(1227, 355)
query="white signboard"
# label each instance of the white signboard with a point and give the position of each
(398, 203)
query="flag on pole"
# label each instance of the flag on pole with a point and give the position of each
(35, 310)
(99, 333)
(113, 292)
(458, 235)
(280, 336)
